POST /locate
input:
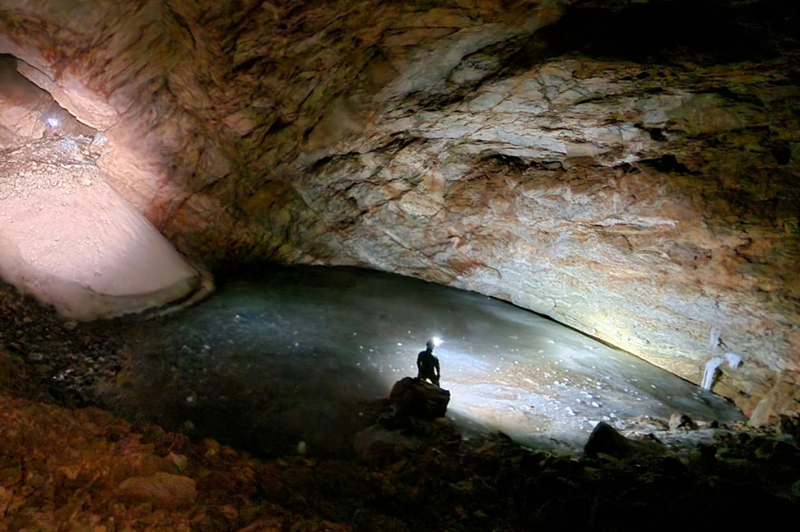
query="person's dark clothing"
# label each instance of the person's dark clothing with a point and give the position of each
(428, 366)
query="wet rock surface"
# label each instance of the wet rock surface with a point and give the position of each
(304, 347)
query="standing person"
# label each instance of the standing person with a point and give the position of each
(428, 365)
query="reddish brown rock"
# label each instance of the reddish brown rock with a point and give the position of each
(162, 490)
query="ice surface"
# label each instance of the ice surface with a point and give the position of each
(284, 354)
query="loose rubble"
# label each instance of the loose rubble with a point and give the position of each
(64, 466)
(85, 469)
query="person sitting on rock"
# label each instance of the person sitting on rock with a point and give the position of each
(428, 365)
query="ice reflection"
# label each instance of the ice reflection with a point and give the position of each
(282, 355)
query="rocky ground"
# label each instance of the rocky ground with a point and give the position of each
(67, 465)
(46, 358)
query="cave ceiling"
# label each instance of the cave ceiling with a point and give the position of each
(627, 168)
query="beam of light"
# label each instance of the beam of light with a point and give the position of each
(543, 384)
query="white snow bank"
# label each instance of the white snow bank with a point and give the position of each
(69, 239)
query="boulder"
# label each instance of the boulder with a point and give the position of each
(162, 490)
(417, 398)
(790, 425)
(606, 440)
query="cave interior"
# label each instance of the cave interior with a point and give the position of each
(629, 169)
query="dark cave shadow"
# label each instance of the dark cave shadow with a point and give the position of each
(700, 31)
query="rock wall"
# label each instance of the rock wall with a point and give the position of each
(632, 172)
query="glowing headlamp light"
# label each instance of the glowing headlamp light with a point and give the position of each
(436, 341)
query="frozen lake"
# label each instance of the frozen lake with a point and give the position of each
(282, 355)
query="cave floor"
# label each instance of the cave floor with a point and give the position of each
(233, 370)
(282, 355)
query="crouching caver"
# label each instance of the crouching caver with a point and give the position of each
(428, 365)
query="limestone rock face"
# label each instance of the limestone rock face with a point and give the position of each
(644, 191)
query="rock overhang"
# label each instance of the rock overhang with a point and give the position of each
(645, 195)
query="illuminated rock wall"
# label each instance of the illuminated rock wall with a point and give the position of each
(644, 192)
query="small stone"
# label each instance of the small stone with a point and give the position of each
(707, 452)
(605, 439)
(212, 447)
(381, 447)
(791, 426)
(180, 461)
(672, 466)
(681, 421)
